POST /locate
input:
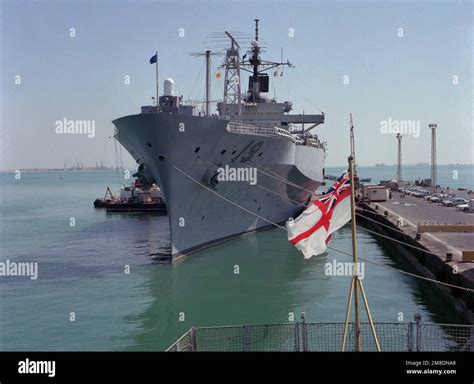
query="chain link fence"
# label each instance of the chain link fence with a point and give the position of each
(327, 337)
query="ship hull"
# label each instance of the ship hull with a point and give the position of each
(182, 154)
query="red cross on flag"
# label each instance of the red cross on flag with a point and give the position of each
(311, 231)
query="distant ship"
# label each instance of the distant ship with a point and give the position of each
(181, 149)
(422, 164)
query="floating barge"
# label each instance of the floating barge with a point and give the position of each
(136, 207)
(133, 199)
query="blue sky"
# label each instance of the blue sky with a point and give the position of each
(82, 78)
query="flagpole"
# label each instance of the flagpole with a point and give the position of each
(356, 283)
(372, 328)
(348, 314)
(157, 83)
(354, 256)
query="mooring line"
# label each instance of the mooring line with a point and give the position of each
(226, 199)
(277, 177)
(307, 205)
(279, 194)
(329, 247)
(406, 273)
(401, 232)
(382, 224)
(395, 240)
(360, 215)
(281, 178)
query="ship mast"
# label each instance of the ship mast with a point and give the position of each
(207, 54)
(255, 62)
(208, 82)
(259, 80)
(232, 93)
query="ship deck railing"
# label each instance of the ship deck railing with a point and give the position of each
(275, 132)
(413, 336)
(249, 129)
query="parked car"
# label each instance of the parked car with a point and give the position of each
(468, 207)
(437, 199)
(414, 191)
(455, 201)
(407, 190)
(462, 207)
(421, 193)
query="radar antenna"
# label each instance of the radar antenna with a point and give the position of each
(232, 93)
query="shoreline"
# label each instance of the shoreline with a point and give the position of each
(114, 169)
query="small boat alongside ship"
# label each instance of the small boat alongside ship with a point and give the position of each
(133, 199)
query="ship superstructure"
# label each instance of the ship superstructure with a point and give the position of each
(183, 149)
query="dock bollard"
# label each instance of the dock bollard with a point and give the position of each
(418, 236)
(376, 207)
(385, 213)
(449, 257)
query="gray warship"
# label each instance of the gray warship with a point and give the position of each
(181, 149)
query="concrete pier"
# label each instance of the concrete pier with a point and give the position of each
(403, 218)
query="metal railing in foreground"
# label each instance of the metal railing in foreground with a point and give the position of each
(327, 337)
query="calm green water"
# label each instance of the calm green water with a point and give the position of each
(81, 270)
